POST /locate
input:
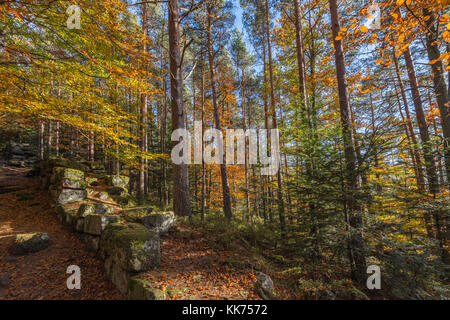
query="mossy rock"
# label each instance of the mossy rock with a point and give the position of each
(139, 289)
(95, 224)
(175, 292)
(132, 246)
(117, 191)
(264, 287)
(90, 179)
(67, 173)
(118, 181)
(103, 196)
(127, 201)
(86, 209)
(30, 242)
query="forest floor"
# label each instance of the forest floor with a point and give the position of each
(42, 275)
(192, 267)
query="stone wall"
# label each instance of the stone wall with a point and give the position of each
(19, 155)
(129, 243)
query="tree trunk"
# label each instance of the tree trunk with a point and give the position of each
(143, 112)
(440, 88)
(281, 213)
(49, 138)
(223, 167)
(430, 165)
(356, 243)
(41, 129)
(181, 202)
(57, 138)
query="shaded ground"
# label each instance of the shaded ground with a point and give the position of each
(42, 275)
(194, 268)
(191, 269)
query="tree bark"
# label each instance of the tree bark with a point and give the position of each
(440, 87)
(41, 129)
(143, 122)
(181, 202)
(356, 241)
(281, 213)
(223, 167)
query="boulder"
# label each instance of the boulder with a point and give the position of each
(86, 209)
(95, 224)
(132, 246)
(71, 184)
(30, 242)
(159, 222)
(66, 196)
(103, 196)
(127, 201)
(118, 181)
(139, 289)
(59, 174)
(264, 287)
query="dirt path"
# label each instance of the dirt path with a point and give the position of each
(42, 275)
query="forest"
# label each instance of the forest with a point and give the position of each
(346, 101)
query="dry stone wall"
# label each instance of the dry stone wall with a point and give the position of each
(129, 244)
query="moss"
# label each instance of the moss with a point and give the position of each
(345, 290)
(117, 191)
(68, 173)
(20, 238)
(129, 234)
(175, 292)
(139, 289)
(86, 209)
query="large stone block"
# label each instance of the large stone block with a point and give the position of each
(118, 181)
(139, 289)
(86, 209)
(60, 174)
(95, 224)
(159, 222)
(66, 196)
(117, 275)
(132, 246)
(92, 242)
